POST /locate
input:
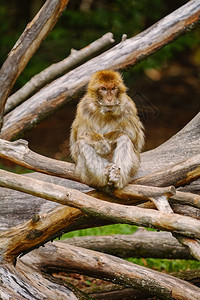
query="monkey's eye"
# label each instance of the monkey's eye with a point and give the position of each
(103, 88)
(113, 88)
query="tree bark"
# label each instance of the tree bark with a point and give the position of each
(127, 53)
(27, 282)
(110, 268)
(143, 243)
(28, 235)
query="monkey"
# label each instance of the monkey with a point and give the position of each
(107, 135)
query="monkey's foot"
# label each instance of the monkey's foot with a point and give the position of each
(114, 176)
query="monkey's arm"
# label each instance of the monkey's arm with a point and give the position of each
(98, 142)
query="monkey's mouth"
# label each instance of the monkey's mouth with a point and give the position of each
(108, 108)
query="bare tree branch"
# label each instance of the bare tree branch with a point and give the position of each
(113, 212)
(126, 53)
(180, 173)
(19, 153)
(187, 198)
(56, 70)
(26, 46)
(142, 243)
(185, 171)
(183, 145)
(111, 268)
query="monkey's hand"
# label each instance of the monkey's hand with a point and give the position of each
(114, 176)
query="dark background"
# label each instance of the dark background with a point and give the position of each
(165, 87)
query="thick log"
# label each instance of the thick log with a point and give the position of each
(117, 292)
(183, 145)
(142, 243)
(185, 210)
(26, 46)
(19, 153)
(180, 173)
(27, 282)
(30, 234)
(126, 53)
(25, 206)
(105, 266)
(17, 207)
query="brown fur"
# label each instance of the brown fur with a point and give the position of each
(106, 135)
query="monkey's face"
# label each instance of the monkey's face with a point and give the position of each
(108, 97)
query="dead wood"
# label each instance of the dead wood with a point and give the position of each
(26, 46)
(117, 293)
(70, 258)
(28, 235)
(185, 210)
(187, 198)
(19, 153)
(182, 146)
(27, 282)
(32, 209)
(180, 173)
(128, 52)
(57, 69)
(162, 204)
(142, 243)
(17, 207)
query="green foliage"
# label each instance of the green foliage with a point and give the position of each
(168, 265)
(104, 230)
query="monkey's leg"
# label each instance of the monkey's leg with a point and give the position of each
(126, 159)
(90, 166)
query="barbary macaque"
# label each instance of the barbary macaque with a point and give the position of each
(106, 135)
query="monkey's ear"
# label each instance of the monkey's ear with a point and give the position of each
(122, 87)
